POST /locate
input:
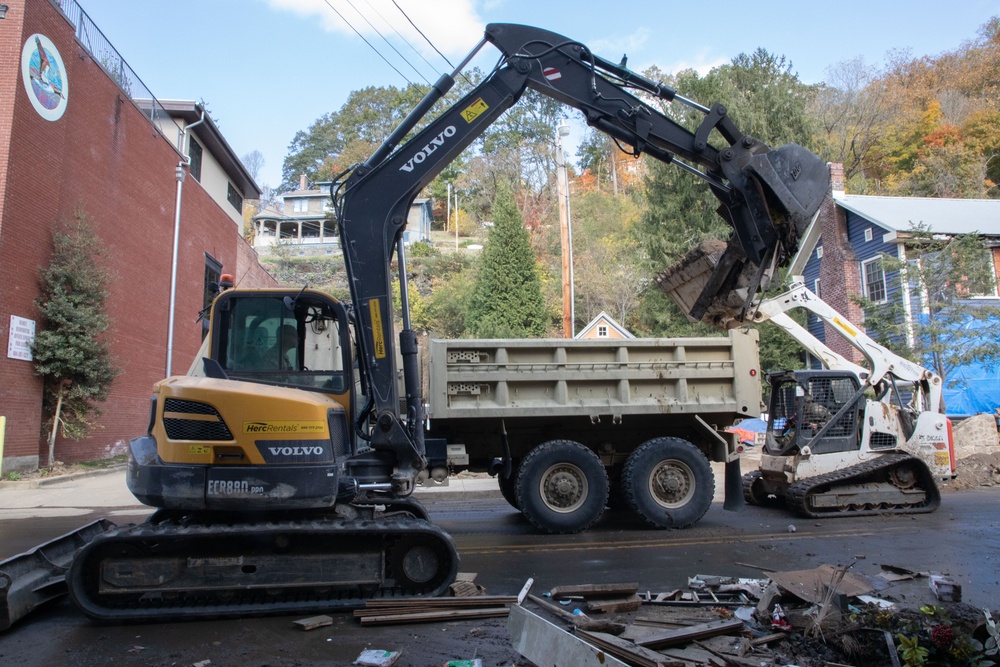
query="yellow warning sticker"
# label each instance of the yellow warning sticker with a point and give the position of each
(474, 110)
(942, 459)
(845, 326)
(199, 449)
(376, 315)
(284, 427)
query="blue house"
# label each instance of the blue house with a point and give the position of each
(856, 231)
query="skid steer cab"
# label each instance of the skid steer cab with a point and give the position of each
(263, 418)
(813, 412)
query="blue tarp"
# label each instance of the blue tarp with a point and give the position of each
(977, 390)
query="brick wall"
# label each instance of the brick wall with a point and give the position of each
(839, 271)
(102, 157)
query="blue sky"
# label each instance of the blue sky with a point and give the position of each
(269, 68)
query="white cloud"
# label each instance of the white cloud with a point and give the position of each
(453, 26)
(702, 63)
(612, 48)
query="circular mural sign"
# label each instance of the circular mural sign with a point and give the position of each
(44, 77)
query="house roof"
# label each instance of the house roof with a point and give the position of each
(209, 133)
(940, 215)
(608, 320)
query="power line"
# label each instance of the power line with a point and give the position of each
(401, 36)
(422, 34)
(388, 42)
(342, 18)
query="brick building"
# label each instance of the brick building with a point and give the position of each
(80, 132)
(857, 231)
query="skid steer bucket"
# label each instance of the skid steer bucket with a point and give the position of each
(33, 578)
(688, 281)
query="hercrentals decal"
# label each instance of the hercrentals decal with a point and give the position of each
(295, 451)
(284, 427)
(429, 148)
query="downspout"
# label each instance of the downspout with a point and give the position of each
(179, 174)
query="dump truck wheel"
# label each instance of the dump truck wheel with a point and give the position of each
(668, 482)
(562, 487)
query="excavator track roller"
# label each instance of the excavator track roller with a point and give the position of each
(169, 571)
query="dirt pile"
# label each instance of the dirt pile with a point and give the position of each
(976, 471)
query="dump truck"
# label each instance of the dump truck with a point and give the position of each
(565, 424)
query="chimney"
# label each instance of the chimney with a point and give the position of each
(837, 178)
(304, 184)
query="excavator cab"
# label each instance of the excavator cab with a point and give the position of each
(807, 412)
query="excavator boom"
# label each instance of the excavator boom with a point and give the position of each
(767, 195)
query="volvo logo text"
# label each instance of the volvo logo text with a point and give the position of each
(431, 146)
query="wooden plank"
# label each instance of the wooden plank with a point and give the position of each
(478, 601)
(627, 651)
(767, 639)
(684, 635)
(313, 622)
(596, 590)
(431, 616)
(543, 643)
(614, 605)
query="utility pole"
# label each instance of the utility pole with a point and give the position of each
(565, 234)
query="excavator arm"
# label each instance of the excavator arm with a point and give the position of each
(766, 195)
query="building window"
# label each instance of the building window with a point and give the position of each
(213, 272)
(299, 206)
(868, 235)
(195, 152)
(816, 288)
(234, 198)
(874, 277)
(602, 331)
(819, 252)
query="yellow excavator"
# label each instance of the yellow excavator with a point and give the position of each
(283, 467)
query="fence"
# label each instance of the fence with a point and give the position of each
(104, 54)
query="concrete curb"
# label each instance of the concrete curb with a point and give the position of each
(40, 482)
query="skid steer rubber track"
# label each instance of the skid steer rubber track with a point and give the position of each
(168, 571)
(894, 483)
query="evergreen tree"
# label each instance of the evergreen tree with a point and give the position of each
(507, 296)
(69, 351)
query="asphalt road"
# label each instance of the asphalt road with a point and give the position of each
(961, 539)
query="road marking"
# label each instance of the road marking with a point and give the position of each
(548, 547)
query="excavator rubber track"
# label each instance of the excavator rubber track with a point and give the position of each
(169, 571)
(894, 483)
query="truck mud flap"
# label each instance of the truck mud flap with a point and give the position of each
(35, 577)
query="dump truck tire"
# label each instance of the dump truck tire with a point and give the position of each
(668, 482)
(562, 487)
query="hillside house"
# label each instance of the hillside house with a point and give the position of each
(856, 231)
(603, 327)
(305, 220)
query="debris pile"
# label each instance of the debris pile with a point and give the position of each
(822, 617)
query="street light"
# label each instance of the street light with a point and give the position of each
(566, 234)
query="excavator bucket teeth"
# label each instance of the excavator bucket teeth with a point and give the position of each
(794, 181)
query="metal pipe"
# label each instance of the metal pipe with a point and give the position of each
(179, 175)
